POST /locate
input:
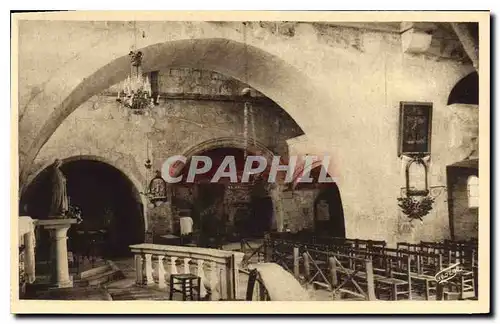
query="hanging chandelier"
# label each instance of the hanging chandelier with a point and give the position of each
(248, 115)
(136, 95)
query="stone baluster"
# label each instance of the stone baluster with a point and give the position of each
(149, 269)
(201, 274)
(235, 277)
(173, 265)
(223, 284)
(161, 272)
(186, 265)
(214, 291)
(138, 269)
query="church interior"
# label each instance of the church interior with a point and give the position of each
(393, 107)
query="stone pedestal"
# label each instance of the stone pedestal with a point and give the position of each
(58, 229)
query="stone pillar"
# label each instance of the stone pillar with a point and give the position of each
(27, 231)
(148, 268)
(58, 229)
(161, 272)
(278, 215)
(139, 280)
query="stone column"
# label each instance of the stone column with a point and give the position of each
(139, 280)
(278, 215)
(58, 229)
(148, 268)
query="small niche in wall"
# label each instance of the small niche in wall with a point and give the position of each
(416, 178)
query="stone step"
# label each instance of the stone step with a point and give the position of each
(93, 271)
(137, 293)
(103, 278)
(100, 276)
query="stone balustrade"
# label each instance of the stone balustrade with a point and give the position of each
(218, 269)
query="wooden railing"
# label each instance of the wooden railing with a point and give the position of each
(252, 253)
(217, 269)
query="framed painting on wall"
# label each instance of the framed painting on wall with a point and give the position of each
(415, 126)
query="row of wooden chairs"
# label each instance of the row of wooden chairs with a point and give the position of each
(308, 238)
(420, 265)
(399, 271)
(452, 252)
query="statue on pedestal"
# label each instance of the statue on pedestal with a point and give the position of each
(59, 206)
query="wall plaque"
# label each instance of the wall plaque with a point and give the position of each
(415, 126)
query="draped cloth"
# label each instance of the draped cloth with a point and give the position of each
(59, 204)
(186, 224)
(26, 226)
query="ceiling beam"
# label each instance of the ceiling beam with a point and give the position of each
(470, 44)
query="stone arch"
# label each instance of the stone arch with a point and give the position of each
(221, 142)
(465, 91)
(328, 192)
(289, 87)
(129, 175)
(238, 142)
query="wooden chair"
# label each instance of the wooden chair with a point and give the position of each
(189, 286)
(427, 265)
(390, 283)
(253, 279)
(461, 287)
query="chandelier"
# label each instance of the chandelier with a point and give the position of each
(136, 95)
(248, 115)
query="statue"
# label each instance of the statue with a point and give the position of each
(59, 205)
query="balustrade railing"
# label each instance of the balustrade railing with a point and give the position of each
(218, 269)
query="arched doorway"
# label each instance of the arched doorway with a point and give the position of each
(466, 91)
(328, 212)
(223, 209)
(110, 204)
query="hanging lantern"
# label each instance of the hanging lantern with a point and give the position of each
(157, 190)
